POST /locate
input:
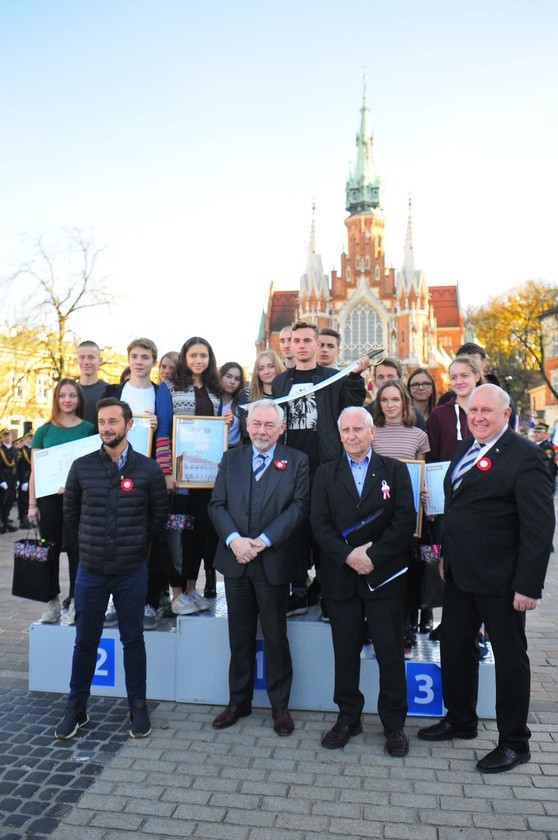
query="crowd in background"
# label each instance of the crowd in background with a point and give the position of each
(411, 423)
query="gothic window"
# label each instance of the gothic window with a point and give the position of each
(377, 273)
(357, 263)
(348, 274)
(363, 331)
(367, 263)
(554, 345)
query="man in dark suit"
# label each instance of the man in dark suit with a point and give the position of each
(345, 492)
(499, 523)
(259, 503)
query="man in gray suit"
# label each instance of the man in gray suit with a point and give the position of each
(259, 503)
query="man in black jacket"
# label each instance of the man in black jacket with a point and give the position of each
(115, 502)
(362, 574)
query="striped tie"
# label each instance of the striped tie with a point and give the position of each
(466, 465)
(260, 465)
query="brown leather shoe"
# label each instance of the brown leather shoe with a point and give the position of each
(283, 723)
(396, 743)
(339, 735)
(230, 715)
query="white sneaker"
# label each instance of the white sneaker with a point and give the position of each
(184, 605)
(52, 612)
(71, 617)
(150, 619)
(198, 600)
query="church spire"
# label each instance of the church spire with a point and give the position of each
(314, 281)
(363, 186)
(409, 254)
(312, 242)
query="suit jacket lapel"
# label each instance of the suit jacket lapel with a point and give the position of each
(275, 474)
(372, 477)
(246, 471)
(345, 476)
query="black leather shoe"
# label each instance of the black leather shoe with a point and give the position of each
(397, 744)
(444, 731)
(230, 715)
(210, 590)
(502, 759)
(283, 723)
(337, 737)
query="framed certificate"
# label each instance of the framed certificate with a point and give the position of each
(198, 444)
(51, 466)
(416, 472)
(141, 434)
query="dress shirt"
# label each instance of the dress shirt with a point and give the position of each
(359, 470)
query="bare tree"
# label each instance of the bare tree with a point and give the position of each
(59, 281)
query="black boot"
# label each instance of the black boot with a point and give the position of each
(210, 590)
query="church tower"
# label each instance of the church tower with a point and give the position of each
(363, 291)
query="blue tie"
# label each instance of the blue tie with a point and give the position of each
(260, 465)
(466, 465)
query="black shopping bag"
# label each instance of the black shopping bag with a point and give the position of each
(33, 569)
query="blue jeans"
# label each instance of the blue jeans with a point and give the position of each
(91, 599)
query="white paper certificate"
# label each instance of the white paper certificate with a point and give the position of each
(51, 466)
(434, 475)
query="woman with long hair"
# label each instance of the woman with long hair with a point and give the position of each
(193, 389)
(447, 424)
(394, 417)
(422, 388)
(266, 367)
(65, 424)
(234, 394)
(397, 437)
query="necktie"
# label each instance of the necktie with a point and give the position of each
(260, 465)
(466, 465)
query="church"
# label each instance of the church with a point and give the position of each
(371, 305)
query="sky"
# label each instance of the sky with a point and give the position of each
(190, 140)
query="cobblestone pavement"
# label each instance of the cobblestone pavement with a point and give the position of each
(245, 783)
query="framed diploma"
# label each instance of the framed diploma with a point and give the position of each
(51, 466)
(141, 434)
(434, 475)
(416, 472)
(198, 444)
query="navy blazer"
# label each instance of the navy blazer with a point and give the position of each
(285, 507)
(499, 523)
(336, 506)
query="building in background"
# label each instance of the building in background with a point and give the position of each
(371, 304)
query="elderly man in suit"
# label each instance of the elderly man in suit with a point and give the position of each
(499, 523)
(358, 486)
(259, 503)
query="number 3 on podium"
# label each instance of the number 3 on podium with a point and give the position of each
(424, 689)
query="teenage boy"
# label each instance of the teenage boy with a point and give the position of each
(139, 393)
(88, 358)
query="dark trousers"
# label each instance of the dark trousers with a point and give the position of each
(247, 596)
(385, 623)
(7, 499)
(463, 614)
(91, 599)
(201, 542)
(51, 527)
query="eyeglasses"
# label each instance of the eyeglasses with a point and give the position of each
(421, 385)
